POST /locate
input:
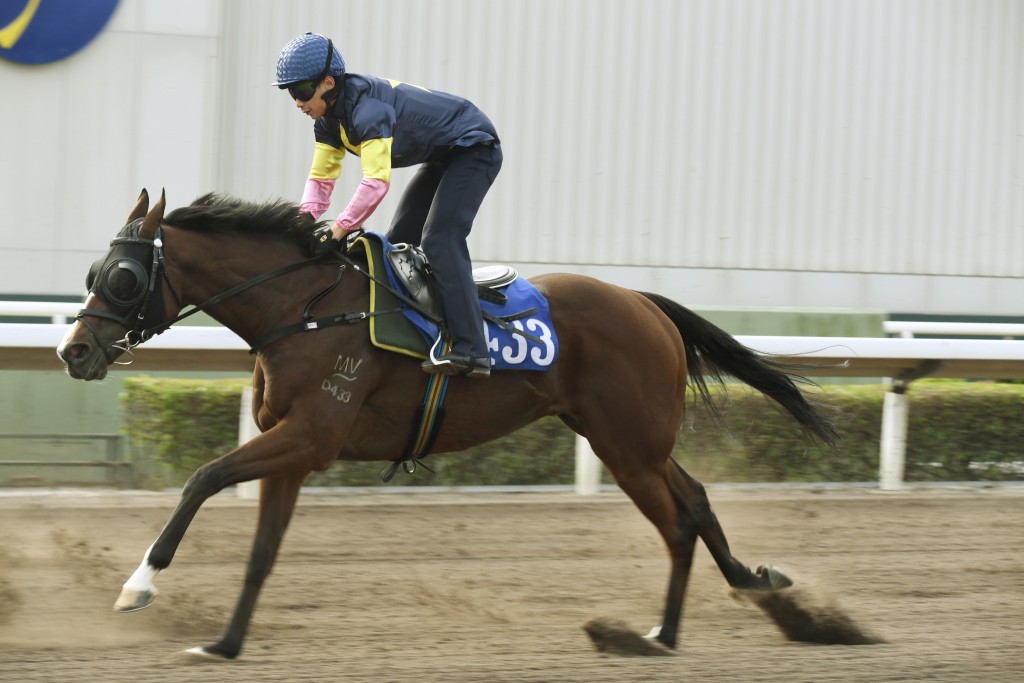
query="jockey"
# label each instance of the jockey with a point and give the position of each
(389, 124)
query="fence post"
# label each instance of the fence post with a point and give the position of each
(247, 430)
(588, 468)
(124, 472)
(892, 459)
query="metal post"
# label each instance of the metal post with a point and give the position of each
(588, 468)
(894, 439)
(247, 430)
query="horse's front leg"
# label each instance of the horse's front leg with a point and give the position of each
(279, 451)
(278, 496)
(139, 590)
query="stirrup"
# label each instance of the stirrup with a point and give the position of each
(452, 363)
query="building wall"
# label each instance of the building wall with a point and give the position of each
(855, 154)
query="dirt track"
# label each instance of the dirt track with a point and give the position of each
(496, 587)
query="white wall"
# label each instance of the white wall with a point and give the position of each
(862, 154)
(82, 136)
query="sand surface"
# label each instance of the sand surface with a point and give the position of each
(498, 586)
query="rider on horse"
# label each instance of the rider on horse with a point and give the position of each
(392, 124)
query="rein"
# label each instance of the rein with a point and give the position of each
(157, 272)
(309, 323)
(228, 293)
(133, 319)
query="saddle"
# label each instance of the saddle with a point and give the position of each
(410, 267)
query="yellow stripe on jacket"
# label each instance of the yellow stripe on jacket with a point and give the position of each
(326, 162)
(374, 154)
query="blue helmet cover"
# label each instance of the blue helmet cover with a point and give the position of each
(304, 58)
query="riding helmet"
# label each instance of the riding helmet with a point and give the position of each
(305, 58)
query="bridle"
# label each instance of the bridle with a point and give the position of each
(129, 280)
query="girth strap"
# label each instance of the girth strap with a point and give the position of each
(428, 424)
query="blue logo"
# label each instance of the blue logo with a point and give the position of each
(44, 31)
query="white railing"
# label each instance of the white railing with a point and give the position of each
(899, 361)
(908, 328)
(59, 312)
(902, 359)
(29, 346)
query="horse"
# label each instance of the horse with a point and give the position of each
(626, 361)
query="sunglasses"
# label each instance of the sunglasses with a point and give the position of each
(303, 91)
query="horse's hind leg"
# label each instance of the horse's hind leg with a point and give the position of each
(689, 493)
(277, 502)
(678, 506)
(651, 490)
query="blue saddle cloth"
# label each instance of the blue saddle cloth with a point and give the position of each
(508, 350)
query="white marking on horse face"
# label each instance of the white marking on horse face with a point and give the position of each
(64, 341)
(73, 328)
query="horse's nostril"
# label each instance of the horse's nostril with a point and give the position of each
(75, 351)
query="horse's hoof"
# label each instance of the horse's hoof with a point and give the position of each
(616, 638)
(132, 600)
(196, 656)
(221, 651)
(773, 577)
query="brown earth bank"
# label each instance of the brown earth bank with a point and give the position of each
(498, 587)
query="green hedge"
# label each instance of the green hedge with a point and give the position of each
(958, 431)
(176, 425)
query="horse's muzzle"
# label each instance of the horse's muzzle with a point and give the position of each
(83, 361)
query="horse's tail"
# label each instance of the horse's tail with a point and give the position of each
(712, 352)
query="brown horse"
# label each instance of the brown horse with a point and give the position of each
(619, 381)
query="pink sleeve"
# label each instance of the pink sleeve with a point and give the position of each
(316, 198)
(365, 200)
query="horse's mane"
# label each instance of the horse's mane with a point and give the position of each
(275, 219)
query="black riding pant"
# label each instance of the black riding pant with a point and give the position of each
(436, 212)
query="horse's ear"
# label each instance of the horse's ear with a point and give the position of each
(141, 207)
(155, 217)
